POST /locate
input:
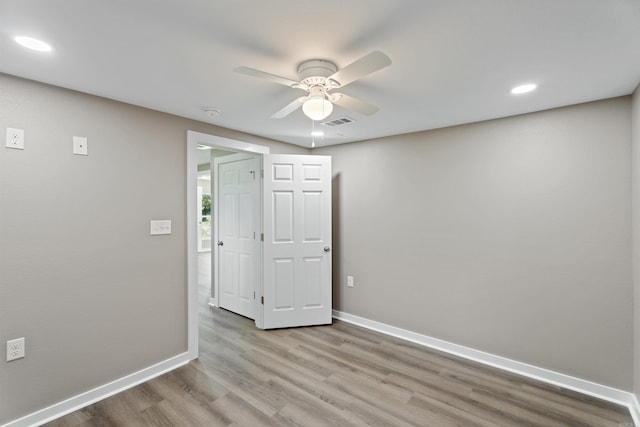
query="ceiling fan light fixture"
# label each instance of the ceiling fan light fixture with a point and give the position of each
(317, 108)
(318, 77)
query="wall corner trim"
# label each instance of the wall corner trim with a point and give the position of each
(599, 391)
(81, 400)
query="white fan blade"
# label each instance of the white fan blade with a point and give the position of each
(266, 76)
(360, 68)
(353, 104)
(289, 108)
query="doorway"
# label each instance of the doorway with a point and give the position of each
(287, 275)
(215, 146)
(204, 209)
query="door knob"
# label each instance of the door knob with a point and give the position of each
(220, 243)
(327, 248)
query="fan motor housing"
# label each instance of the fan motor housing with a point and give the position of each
(315, 71)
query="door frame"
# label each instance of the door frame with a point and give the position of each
(193, 140)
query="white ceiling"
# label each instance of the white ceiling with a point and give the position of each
(454, 61)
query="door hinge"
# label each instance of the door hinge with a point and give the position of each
(262, 300)
(262, 173)
(262, 237)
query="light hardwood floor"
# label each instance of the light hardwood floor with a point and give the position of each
(339, 375)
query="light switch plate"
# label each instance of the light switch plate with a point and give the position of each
(159, 227)
(15, 138)
(80, 146)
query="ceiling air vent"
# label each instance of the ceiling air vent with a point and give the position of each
(339, 122)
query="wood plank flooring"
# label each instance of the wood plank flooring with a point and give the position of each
(337, 375)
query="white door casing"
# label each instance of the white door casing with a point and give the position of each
(237, 220)
(297, 241)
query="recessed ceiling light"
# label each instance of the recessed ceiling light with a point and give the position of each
(317, 133)
(204, 147)
(34, 44)
(523, 88)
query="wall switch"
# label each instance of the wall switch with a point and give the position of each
(160, 227)
(15, 349)
(80, 146)
(15, 138)
(349, 281)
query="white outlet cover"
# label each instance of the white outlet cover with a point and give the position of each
(15, 138)
(15, 349)
(80, 146)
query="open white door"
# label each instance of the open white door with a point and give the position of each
(237, 219)
(297, 240)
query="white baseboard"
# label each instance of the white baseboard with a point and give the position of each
(582, 386)
(87, 398)
(634, 408)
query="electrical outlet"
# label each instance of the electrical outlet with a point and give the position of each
(15, 138)
(349, 281)
(15, 349)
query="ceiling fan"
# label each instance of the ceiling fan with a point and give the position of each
(319, 78)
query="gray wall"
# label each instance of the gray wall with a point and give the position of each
(635, 111)
(95, 296)
(510, 236)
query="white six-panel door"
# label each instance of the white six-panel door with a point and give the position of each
(237, 250)
(297, 240)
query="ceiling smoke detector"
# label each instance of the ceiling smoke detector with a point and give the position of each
(212, 112)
